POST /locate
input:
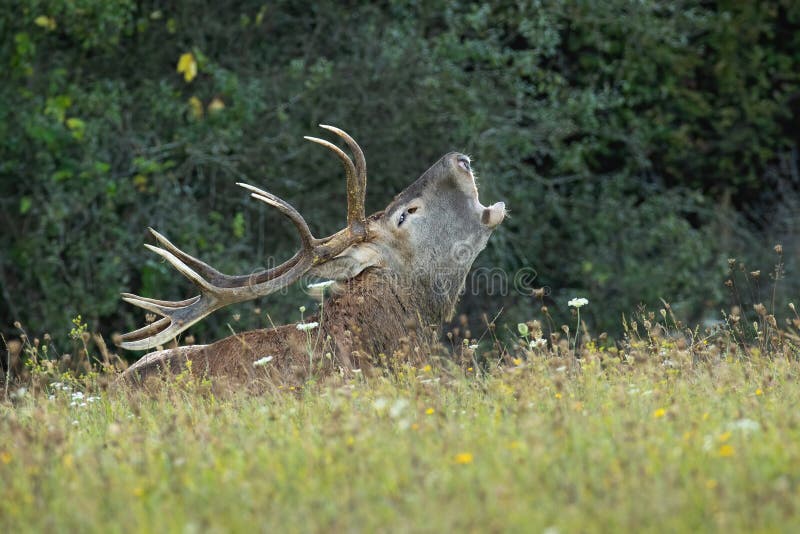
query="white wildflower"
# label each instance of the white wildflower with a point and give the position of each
(578, 302)
(77, 395)
(261, 362)
(305, 327)
(537, 343)
(745, 425)
(473, 346)
(321, 285)
(397, 408)
(93, 398)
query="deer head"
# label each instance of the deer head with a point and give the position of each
(426, 239)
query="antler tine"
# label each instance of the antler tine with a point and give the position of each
(219, 279)
(286, 209)
(177, 317)
(182, 268)
(355, 198)
(360, 163)
(202, 268)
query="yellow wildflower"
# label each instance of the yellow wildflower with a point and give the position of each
(661, 412)
(463, 458)
(759, 392)
(5, 457)
(429, 411)
(726, 451)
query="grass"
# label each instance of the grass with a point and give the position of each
(620, 442)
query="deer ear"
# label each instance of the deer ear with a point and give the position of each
(348, 264)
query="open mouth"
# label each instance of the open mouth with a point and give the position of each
(492, 215)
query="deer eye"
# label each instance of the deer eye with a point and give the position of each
(405, 214)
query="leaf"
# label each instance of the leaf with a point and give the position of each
(187, 66)
(140, 182)
(77, 127)
(62, 174)
(25, 204)
(238, 225)
(48, 23)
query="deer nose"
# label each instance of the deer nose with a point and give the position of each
(463, 162)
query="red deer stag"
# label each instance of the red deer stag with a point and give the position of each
(397, 274)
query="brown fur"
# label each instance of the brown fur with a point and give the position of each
(372, 316)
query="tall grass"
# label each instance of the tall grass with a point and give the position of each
(668, 440)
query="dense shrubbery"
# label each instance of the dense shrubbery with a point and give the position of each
(638, 144)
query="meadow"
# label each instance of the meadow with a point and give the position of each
(662, 433)
(637, 145)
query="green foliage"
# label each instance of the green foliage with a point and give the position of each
(611, 129)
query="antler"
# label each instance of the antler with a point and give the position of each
(218, 290)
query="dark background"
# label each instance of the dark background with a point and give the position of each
(638, 145)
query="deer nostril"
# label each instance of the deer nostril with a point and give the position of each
(463, 162)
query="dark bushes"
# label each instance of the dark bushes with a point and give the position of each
(624, 136)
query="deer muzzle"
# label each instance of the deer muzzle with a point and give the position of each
(494, 214)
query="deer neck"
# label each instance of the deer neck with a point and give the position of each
(378, 312)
